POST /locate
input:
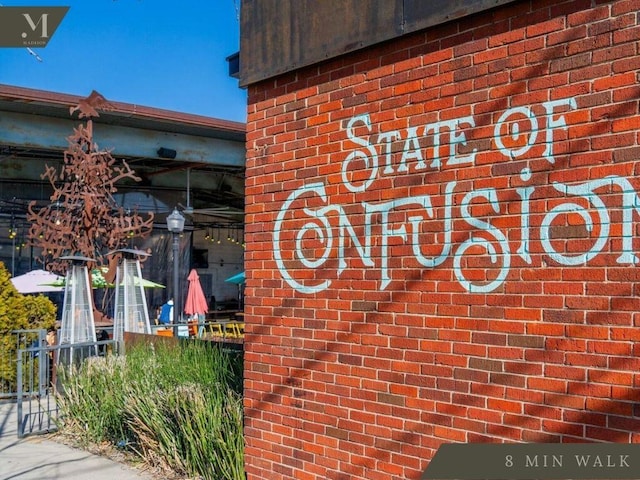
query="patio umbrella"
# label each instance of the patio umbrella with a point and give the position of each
(97, 281)
(100, 282)
(238, 279)
(38, 281)
(196, 303)
(145, 283)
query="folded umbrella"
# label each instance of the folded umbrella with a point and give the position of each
(196, 303)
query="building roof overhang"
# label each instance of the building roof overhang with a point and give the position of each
(206, 170)
(53, 104)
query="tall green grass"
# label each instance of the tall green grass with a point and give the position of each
(178, 406)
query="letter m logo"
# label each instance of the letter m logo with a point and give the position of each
(29, 26)
(41, 21)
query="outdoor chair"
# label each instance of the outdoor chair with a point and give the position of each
(215, 330)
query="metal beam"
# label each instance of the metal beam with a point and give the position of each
(40, 132)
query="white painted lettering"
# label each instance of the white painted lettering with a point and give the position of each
(326, 235)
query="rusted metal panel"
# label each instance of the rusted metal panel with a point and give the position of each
(283, 35)
(420, 14)
(278, 36)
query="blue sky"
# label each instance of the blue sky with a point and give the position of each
(156, 53)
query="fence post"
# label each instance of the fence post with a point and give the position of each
(19, 394)
(43, 364)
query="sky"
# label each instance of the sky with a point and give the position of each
(153, 53)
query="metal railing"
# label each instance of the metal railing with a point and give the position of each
(37, 381)
(10, 344)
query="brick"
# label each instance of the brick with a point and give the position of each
(504, 405)
(507, 379)
(526, 341)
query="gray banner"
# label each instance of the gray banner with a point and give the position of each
(490, 461)
(29, 26)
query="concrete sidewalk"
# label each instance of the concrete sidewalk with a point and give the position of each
(37, 458)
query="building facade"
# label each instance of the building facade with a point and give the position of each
(442, 233)
(191, 162)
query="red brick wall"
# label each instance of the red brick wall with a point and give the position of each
(408, 288)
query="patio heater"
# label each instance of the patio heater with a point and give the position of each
(175, 224)
(78, 325)
(131, 312)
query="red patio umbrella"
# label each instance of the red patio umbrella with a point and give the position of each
(196, 303)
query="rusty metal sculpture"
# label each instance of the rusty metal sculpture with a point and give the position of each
(83, 217)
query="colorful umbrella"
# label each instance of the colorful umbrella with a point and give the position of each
(98, 281)
(196, 302)
(38, 281)
(145, 283)
(238, 278)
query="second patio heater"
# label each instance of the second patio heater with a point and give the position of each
(77, 328)
(131, 313)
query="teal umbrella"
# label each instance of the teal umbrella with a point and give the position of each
(238, 279)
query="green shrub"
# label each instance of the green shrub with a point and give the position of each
(176, 405)
(18, 312)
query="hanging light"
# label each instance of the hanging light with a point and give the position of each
(12, 228)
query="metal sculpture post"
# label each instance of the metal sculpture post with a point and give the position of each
(78, 324)
(175, 224)
(131, 312)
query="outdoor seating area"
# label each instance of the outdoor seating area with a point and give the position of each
(206, 321)
(218, 330)
(222, 314)
(224, 330)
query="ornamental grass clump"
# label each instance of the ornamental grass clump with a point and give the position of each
(91, 399)
(178, 407)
